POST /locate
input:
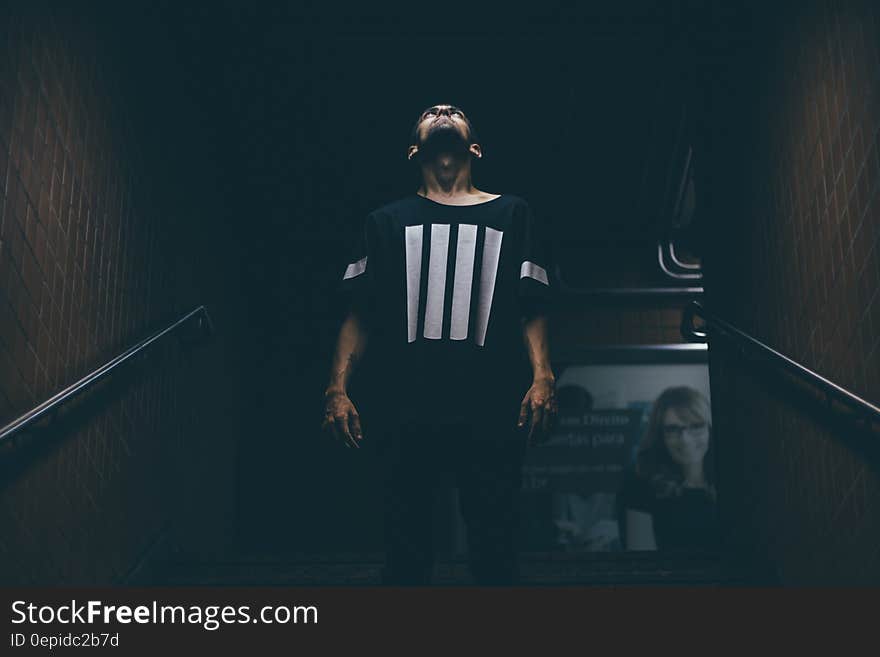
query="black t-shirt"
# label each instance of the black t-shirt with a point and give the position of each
(687, 521)
(443, 289)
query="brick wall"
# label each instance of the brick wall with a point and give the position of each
(582, 320)
(792, 159)
(604, 323)
(88, 265)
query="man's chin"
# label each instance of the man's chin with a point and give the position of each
(443, 139)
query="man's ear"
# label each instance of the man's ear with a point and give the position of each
(411, 152)
(476, 151)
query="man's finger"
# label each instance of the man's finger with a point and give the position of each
(346, 433)
(356, 425)
(523, 413)
(330, 427)
(341, 426)
(329, 430)
(536, 420)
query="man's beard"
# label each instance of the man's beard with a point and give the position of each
(443, 138)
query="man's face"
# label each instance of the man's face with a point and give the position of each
(443, 127)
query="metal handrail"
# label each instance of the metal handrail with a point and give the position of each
(93, 377)
(678, 263)
(866, 409)
(624, 292)
(666, 270)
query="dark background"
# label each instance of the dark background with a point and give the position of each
(304, 117)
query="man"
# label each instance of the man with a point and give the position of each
(452, 284)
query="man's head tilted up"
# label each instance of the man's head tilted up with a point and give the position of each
(443, 143)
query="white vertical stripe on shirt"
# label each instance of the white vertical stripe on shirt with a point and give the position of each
(491, 255)
(464, 275)
(413, 239)
(436, 281)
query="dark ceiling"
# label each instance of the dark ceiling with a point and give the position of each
(579, 110)
(586, 110)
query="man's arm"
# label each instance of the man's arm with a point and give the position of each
(535, 337)
(340, 414)
(540, 400)
(535, 297)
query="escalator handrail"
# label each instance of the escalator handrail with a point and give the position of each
(63, 396)
(868, 411)
(624, 292)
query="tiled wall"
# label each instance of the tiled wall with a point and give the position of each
(87, 266)
(792, 159)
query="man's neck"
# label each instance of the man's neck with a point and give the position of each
(447, 176)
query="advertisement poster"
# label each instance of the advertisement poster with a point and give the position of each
(629, 465)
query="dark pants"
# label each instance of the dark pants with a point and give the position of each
(487, 465)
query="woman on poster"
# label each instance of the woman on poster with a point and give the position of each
(668, 502)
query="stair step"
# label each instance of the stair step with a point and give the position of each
(535, 570)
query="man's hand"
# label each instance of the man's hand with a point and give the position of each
(539, 403)
(341, 419)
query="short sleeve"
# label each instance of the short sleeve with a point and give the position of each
(354, 284)
(536, 287)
